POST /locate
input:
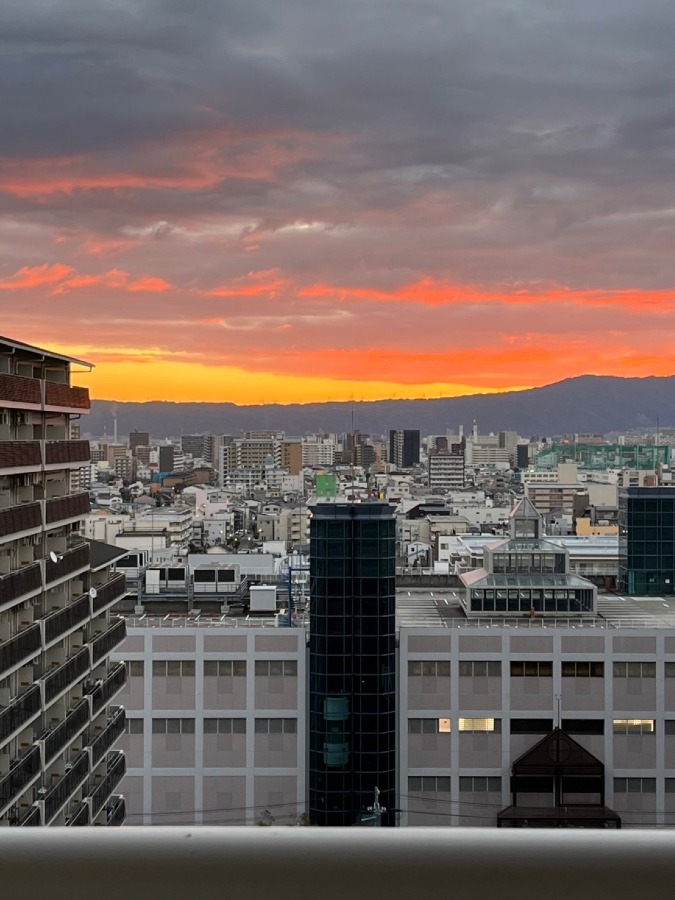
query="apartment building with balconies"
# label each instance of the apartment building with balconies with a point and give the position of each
(57, 728)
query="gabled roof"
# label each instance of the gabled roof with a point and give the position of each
(557, 754)
(39, 351)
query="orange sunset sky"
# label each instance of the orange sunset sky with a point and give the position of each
(297, 202)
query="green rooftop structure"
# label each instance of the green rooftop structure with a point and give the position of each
(604, 456)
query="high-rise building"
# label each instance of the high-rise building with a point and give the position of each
(647, 540)
(404, 448)
(56, 591)
(446, 472)
(352, 690)
(138, 439)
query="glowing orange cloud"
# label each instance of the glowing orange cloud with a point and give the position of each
(191, 161)
(35, 276)
(62, 279)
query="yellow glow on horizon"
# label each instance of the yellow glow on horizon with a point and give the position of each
(189, 382)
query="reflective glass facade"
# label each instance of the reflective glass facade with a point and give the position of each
(647, 541)
(352, 692)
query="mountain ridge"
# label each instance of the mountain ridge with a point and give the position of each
(585, 403)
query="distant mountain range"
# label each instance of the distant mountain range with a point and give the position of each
(589, 403)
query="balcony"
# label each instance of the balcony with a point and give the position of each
(64, 453)
(62, 510)
(72, 561)
(18, 391)
(116, 810)
(108, 594)
(18, 714)
(100, 792)
(103, 691)
(66, 786)
(20, 585)
(20, 520)
(103, 740)
(66, 398)
(105, 643)
(20, 649)
(32, 819)
(20, 775)
(60, 623)
(58, 738)
(20, 456)
(80, 816)
(58, 681)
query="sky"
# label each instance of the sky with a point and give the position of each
(263, 201)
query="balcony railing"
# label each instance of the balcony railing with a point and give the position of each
(58, 623)
(66, 397)
(32, 819)
(61, 679)
(66, 786)
(80, 816)
(18, 714)
(102, 692)
(17, 389)
(22, 647)
(71, 561)
(61, 509)
(18, 519)
(102, 645)
(116, 810)
(109, 593)
(20, 584)
(286, 863)
(20, 455)
(103, 740)
(100, 792)
(19, 776)
(64, 452)
(54, 742)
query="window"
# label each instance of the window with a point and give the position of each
(583, 726)
(669, 669)
(428, 726)
(670, 785)
(571, 669)
(532, 669)
(135, 668)
(633, 726)
(480, 667)
(173, 726)
(169, 668)
(224, 726)
(224, 668)
(635, 785)
(480, 784)
(429, 784)
(480, 725)
(276, 667)
(276, 726)
(133, 726)
(634, 670)
(531, 726)
(428, 667)
(669, 726)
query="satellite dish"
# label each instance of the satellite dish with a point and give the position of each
(93, 593)
(54, 558)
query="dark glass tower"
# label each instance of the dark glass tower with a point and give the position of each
(352, 694)
(647, 540)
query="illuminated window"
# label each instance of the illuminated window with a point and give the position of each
(428, 726)
(633, 726)
(444, 726)
(474, 725)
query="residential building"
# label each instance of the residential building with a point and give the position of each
(446, 472)
(57, 728)
(404, 448)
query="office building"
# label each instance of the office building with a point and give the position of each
(352, 646)
(404, 448)
(647, 540)
(57, 729)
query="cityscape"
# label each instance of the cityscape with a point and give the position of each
(337, 444)
(464, 628)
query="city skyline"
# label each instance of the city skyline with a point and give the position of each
(331, 202)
